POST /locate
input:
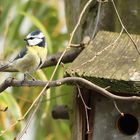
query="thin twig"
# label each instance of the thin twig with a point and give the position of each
(106, 48)
(97, 20)
(79, 93)
(11, 126)
(44, 100)
(86, 108)
(76, 45)
(30, 118)
(115, 104)
(119, 18)
(28, 122)
(102, 1)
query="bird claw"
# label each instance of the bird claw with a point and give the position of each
(34, 79)
(26, 77)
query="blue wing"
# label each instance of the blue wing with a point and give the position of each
(21, 54)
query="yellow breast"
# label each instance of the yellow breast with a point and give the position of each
(31, 61)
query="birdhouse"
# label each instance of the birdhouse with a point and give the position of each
(111, 61)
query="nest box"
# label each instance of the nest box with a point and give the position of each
(111, 62)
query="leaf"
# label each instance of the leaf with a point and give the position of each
(9, 101)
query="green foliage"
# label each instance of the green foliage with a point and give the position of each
(17, 19)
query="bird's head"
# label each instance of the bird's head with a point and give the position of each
(35, 38)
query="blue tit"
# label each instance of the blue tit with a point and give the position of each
(33, 56)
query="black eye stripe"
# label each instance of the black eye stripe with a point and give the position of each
(31, 38)
(34, 38)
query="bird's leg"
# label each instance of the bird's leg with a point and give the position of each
(33, 78)
(11, 78)
(25, 77)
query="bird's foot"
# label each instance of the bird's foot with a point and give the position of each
(28, 75)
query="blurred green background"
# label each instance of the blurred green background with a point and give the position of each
(17, 19)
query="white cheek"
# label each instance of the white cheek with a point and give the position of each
(34, 41)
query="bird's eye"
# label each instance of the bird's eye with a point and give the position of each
(31, 38)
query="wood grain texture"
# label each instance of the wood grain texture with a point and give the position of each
(118, 66)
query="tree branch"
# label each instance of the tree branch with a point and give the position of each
(68, 57)
(51, 60)
(68, 80)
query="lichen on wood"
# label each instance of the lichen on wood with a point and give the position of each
(117, 67)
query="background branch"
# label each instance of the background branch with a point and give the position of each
(67, 58)
(51, 60)
(68, 80)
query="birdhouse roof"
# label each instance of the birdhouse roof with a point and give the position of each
(110, 61)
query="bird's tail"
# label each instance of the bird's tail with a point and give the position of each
(3, 67)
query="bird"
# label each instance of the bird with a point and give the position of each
(32, 56)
